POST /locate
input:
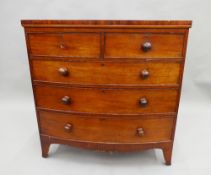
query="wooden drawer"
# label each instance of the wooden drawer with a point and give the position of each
(138, 45)
(110, 130)
(98, 100)
(69, 45)
(106, 73)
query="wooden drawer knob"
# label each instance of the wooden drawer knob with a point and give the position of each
(140, 132)
(63, 71)
(66, 100)
(62, 46)
(144, 74)
(68, 127)
(146, 46)
(143, 102)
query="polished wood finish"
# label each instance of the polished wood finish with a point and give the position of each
(155, 24)
(143, 102)
(63, 71)
(140, 132)
(146, 46)
(68, 127)
(66, 100)
(101, 129)
(97, 100)
(107, 73)
(105, 84)
(131, 45)
(72, 45)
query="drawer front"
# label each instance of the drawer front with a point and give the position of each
(117, 73)
(96, 129)
(97, 100)
(144, 45)
(69, 45)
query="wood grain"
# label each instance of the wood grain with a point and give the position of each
(108, 23)
(130, 45)
(71, 45)
(100, 100)
(97, 129)
(88, 82)
(106, 73)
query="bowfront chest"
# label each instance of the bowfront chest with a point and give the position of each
(107, 85)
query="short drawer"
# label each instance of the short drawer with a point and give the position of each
(69, 45)
(99, 100)
(106, 73)
(144, 45)
(112, 130)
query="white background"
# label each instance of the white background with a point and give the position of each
(19, 141)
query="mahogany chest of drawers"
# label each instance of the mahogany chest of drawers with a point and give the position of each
(107, 85)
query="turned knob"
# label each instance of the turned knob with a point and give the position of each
(144, 74)
(140, 131)
(62, 46)
(146, 46)
(63, 71)
(143, 102)
(66, 100)
(68, 127)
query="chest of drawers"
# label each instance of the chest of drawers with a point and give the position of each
(107, 85)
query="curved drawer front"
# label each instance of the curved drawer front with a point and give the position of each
(97, 100)
(144, 45)
(69, 45)
(112, 130)
(105, 73)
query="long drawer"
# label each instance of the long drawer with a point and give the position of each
(99, 100)
(106, 73)
(146, 45)
(69, 45)
(110, 130)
